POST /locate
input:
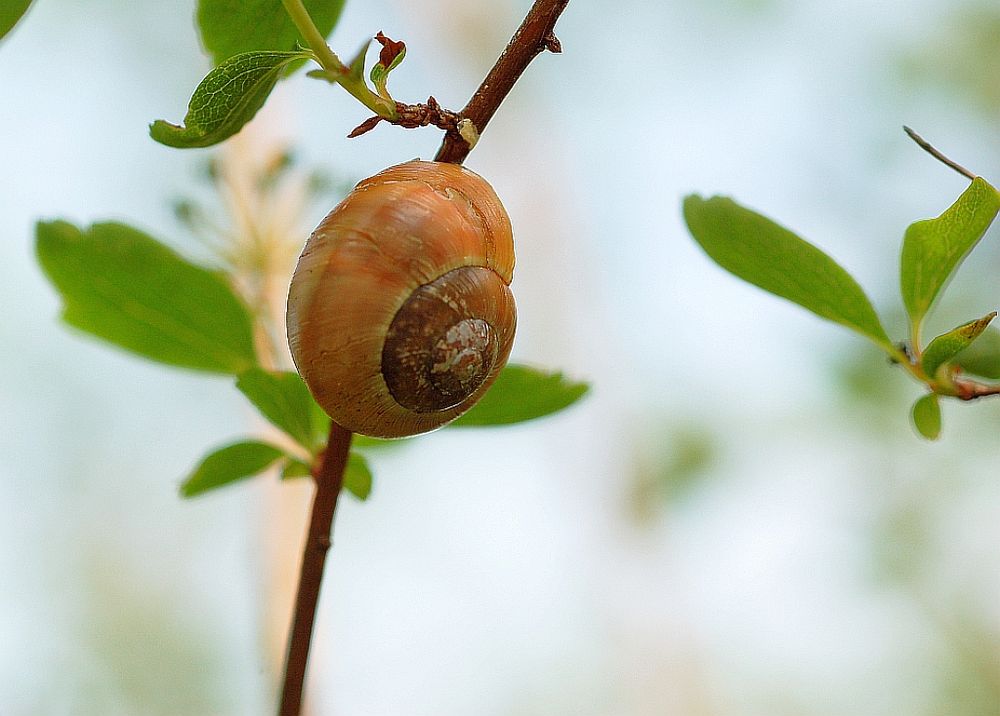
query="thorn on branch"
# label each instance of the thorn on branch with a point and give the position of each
(552, 44)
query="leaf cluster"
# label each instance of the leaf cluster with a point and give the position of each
(768, 255)
(125, 287)
(254, 44)
(121, 285)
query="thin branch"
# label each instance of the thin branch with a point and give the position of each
(333, 69)
(536, 33)
(313, 37)
(973, 390)
(533, 36)
(462, 129)
(329, 480)
(933, 151)
(411, 116)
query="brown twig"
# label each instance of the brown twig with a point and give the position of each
(536, 33)
(973, 390)
(934, 152)
(329, 479)
(412, 116)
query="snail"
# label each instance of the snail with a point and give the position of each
(400, 314)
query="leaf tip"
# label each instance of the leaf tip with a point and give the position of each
(694, 206)
(690, 207)
(167, 134)
(50, 236)
(691, 200)
(53, 227)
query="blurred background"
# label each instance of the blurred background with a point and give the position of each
(737, 521)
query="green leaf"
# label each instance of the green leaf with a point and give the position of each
(357, 476)
(229, 464)
(982, 358)
(379, 77)
(933, 248)
(352, 76)
(770, 256)
(10, 12)
(946, 346)
(228, 98)
(521, 393)
(364, 442)
(231, 27)
(320, 420)
(123, 286)
(357, 64)
(285, 401)
(294, 469)
(926, 416)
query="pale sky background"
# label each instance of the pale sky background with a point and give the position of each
(822, 561)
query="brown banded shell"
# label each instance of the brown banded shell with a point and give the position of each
(399, 311)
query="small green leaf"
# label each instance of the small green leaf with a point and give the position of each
(770, 256)
(521, 393)
(379, 77)
(228, 98)
(284, 399)
(357, 476)
(357, 65)
(390, 57)
(320, 420)
(294, 469)
(933, 248)
(229, 464)
(123, 286)
(982, 358)
(926, 416)
(946, 346)
(231, 27)
(10, 12)
(364, 442)
(352, 76)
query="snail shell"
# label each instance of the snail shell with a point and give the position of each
(399, 311)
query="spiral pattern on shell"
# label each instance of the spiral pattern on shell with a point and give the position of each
(399, 311)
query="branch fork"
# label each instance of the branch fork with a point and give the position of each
(411, 116)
